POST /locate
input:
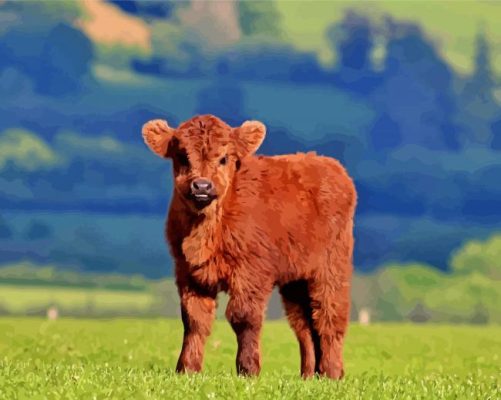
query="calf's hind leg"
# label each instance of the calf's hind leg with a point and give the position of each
(330, 319)
(298, 310)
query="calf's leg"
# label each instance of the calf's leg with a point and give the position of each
(245, 314)
(198, 312)
(330, 312)
(298, 310)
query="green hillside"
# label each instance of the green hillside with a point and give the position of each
(451, 25)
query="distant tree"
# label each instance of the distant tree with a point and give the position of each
(37, 230)
(419, 314)
(477, 256)
(481, 83)
(177, 51)
(479, 109)
(416, 93)
(259, 17)
(354, 42)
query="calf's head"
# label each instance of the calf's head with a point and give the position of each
(206, 153)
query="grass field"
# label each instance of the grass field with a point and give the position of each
(19, 299)
(135, 359)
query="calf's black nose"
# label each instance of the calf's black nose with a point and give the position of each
(201, 185)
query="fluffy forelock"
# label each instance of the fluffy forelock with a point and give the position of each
(204, 133)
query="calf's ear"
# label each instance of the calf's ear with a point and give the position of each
(157, 134)
(248, 137)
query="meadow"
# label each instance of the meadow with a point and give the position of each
(134, 358)
(18, 299)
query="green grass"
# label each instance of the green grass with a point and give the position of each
(135, 359)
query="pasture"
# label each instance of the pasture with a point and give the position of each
(17, 299)
(134, 358)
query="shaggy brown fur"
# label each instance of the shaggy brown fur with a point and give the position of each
(265, 221)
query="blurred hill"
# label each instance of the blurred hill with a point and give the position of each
(468, 293)
(406, 95)
(452, 28)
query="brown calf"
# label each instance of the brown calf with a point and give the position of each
(242, 223)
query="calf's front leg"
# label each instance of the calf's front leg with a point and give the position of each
(246, 314)
(198, 312)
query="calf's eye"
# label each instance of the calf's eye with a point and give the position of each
(182, 159)
(223, 160)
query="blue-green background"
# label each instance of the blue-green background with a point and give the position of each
(407, 95)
